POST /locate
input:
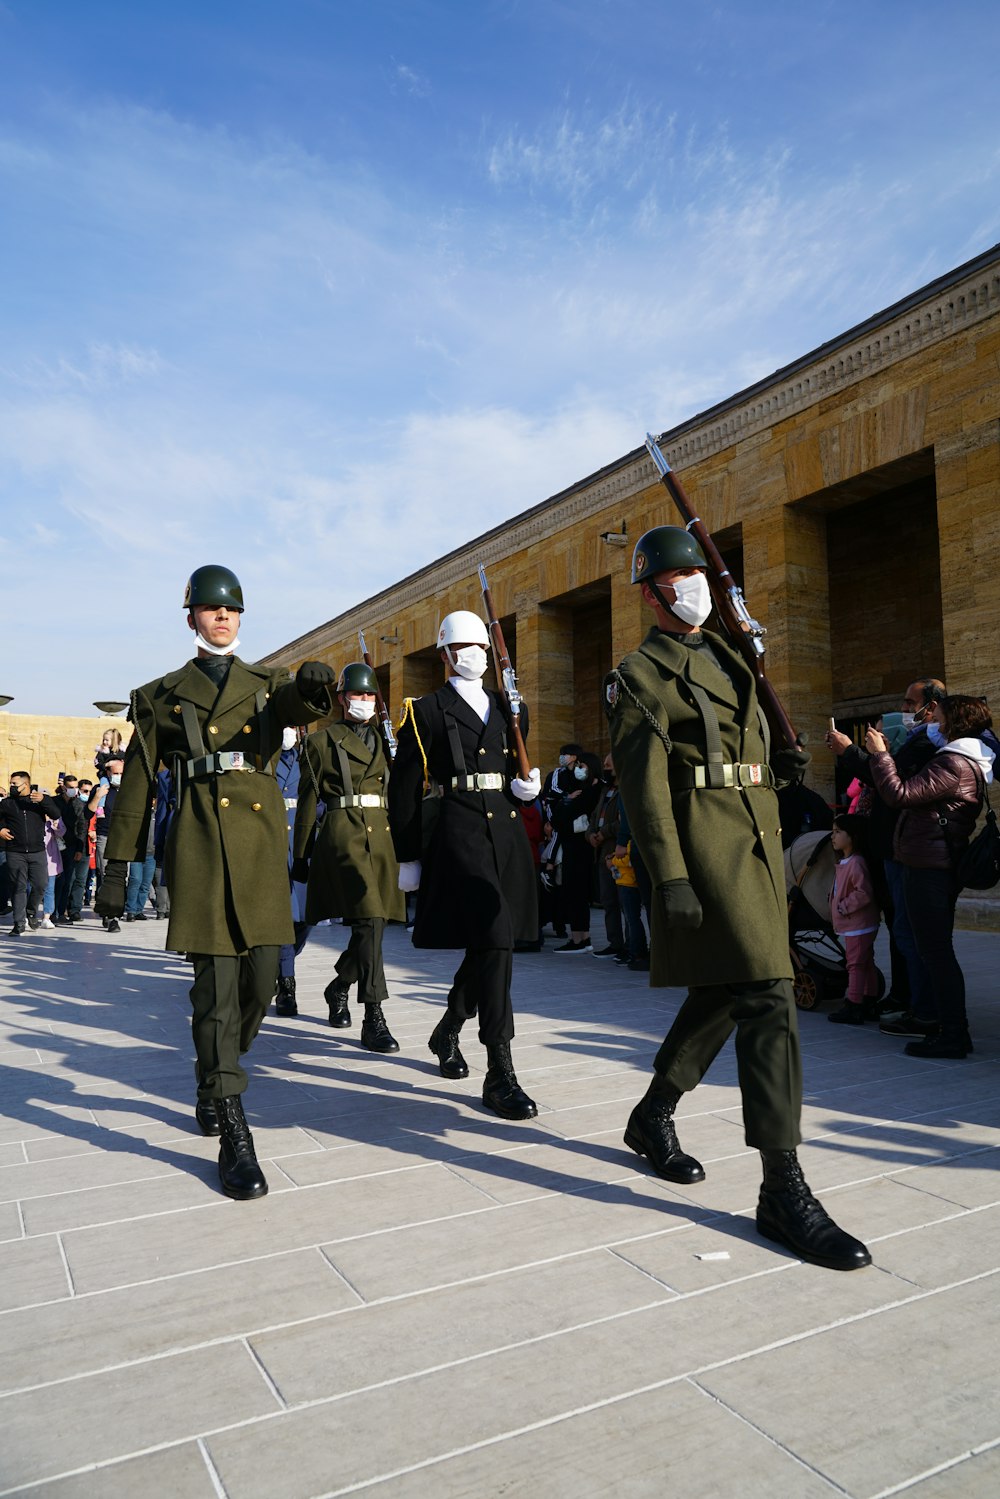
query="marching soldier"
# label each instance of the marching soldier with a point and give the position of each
(352, 870)
(690, 749)
(473, 871)
(216, 723)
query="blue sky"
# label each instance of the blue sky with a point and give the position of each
(322, 289)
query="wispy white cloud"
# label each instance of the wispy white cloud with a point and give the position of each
(410, 81)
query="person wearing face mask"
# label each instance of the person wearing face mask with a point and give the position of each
(570, 817)
(22, 833)
(938, 809)
(216, 723)
(472, 867)
(102, 803)
(698, 783)
(908, 1009)
(351, 864)
(71, 882)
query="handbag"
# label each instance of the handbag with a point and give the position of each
(978, 867)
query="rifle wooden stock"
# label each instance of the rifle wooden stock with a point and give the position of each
(745, 634)
(380, 707)
(506, 680)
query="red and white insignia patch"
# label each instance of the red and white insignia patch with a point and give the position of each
(611, 693)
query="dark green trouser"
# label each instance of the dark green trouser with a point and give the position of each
(767, 1053)
(229, 999)
(361, 961)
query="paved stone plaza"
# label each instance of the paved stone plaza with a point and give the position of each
(433, 1302)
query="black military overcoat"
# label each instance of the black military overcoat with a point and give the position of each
(477, 886)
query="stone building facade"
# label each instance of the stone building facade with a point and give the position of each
(855, 493)
(44, 744)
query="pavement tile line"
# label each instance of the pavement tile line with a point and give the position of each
(213, 1471)
(945, 1467)
(66, 1266)
(261, 1369)
(685, 1377)
(772, 1441)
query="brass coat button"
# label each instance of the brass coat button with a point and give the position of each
(223, 801)
(246, 728)
(212, 729)
(482, 752)
(489, 814)
(513, 814)
(177, 707)
(256, 807)
(367, 829)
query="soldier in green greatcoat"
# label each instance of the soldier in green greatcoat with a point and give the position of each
(216, 724)
(697, 779)
(352, 869)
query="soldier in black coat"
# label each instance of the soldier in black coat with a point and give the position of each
(466, 853)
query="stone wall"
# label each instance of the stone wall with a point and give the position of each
(873, 464)
(44, 745)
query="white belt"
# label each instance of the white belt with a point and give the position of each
(483, 780)
(368, 800)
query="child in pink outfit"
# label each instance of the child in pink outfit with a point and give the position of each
(855, 915)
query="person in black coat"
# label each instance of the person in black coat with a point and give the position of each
(22, 831)
(570, 816)
(466, 853)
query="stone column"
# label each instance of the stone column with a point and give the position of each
(967, 477)
(545, 676)
(788, 590)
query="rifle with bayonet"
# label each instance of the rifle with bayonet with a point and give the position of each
(506, 680)
(380, 707)
(745, 633)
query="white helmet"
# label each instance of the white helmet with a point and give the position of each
(463, 628)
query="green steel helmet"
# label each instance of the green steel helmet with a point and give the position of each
(357, 677)
(213, 585)
(662, 549)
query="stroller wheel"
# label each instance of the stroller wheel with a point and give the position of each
(806, 990)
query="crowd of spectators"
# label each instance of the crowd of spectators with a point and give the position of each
(52, 846)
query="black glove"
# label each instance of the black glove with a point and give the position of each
(110, 899)
(314, 679)
(681, 906)
(790, 764)
(300, 871)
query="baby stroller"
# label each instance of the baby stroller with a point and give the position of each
(817, 953)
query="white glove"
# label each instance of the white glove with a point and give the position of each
(409, 876)
(526, 791)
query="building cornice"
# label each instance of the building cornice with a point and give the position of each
(960, 299)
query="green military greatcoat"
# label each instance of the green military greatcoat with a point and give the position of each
(353, 870)
(226, 860)
(726, 841)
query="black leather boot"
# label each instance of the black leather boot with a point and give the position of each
(444, 1045)
(239, 1173)
(375, 1034)
(284, 999)
(788, 1213)
(651, 1132)
(206, 1117)
(501, 1090)
(336, 995)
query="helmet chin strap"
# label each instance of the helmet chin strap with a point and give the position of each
(655, 590)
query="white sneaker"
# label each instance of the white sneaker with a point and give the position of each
(47, 924)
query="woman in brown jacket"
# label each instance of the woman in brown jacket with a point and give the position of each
(939, 808)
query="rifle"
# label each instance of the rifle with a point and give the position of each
(745, 633)
(506, 680)
(380, 707)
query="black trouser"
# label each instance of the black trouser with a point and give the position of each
(482, 985)
(767, 1053)
(70, 885)
(930, 906)
(230, 997)
(607, 887)
(361, 961)
(24, 868)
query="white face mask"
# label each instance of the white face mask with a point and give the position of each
(470, 662)
(288, 739)
(359, 710)
(581, 772)
(216, 650)
(70, 791)
(115, 780)
(936, 735)
(907, 720)
(694, 601)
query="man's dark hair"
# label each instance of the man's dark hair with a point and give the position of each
(20, 775)
(70, 777)
(933, 690)
(965, 717)
(571, 749)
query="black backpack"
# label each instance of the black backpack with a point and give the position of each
(978, 868)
